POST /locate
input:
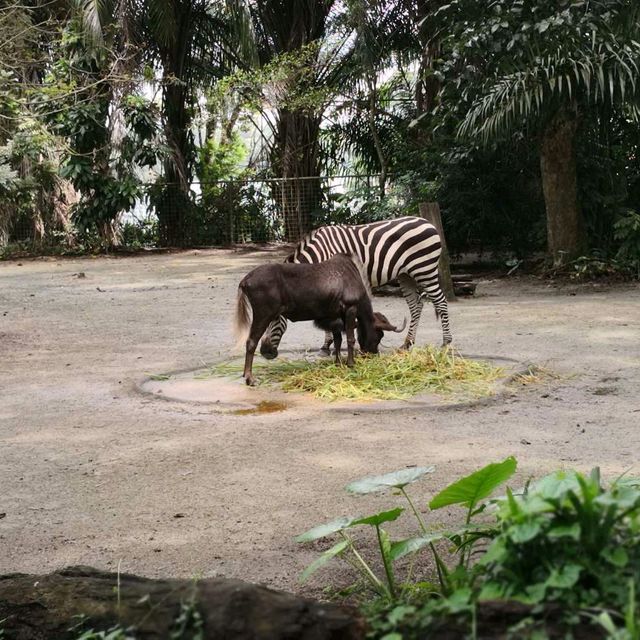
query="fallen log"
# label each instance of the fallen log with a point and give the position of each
(48, 606)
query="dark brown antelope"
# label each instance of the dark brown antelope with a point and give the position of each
(334, 294)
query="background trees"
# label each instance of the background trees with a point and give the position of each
(518, 116)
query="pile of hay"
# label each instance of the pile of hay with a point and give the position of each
(389, 376)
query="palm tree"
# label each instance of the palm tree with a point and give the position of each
(556, 62)
(294, 31)
(189, 41)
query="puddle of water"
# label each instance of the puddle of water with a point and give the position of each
(264, 406)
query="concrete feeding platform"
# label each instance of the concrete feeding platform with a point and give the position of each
(229, 393)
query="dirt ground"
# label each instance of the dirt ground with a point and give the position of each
(92, 472)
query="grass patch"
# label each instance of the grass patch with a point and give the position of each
(393, 376)
(535, 374)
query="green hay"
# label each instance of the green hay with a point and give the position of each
(393, 376)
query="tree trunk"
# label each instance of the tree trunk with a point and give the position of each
(427, 85)
(373, 96)
(565, 229)
(175, 201)
(295, 160)
(430, 211)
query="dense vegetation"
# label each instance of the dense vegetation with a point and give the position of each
(226, 120)
(563, 552)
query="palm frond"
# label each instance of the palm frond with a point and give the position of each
(604, 73)
(95, 16)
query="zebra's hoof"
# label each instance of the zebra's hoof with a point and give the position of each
(406, 346)
(269, 352)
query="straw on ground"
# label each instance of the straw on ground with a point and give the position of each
(393, 376)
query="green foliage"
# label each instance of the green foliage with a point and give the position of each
(467, 491)
(470, 490)
(566, 541)
(627, 232)
(102, 171)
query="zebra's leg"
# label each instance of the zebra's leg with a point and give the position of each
(431, 289)
(414, 301)
(272, 337)
(325, 349)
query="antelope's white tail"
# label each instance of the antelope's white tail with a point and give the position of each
(242, 318)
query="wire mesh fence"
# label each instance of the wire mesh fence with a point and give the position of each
(219, 213)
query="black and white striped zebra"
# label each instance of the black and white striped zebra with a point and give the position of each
(407, 249)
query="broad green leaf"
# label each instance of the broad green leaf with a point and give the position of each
(496, 552)
(618, 557)
(324, 558)
(534, 594)
(396, 479)
(379, 518)
(468, 491)
(524, 532)
(565, 531)
(565, 577)
(324, 530)
(402, 548)
(556, 485)
(397, 614)
(491, 591)
(459, 600)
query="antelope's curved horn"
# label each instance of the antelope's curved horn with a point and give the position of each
(401, 329)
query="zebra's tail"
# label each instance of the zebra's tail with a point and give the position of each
(242, 318)
(362, 271)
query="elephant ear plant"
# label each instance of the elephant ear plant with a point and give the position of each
(469, 492)
(566, 548)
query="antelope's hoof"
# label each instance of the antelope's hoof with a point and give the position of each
(251, 381)
(268, 352)
(324, 352)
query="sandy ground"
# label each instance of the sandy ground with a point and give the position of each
(92, 472)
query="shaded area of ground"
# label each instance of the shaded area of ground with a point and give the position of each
(93, 472)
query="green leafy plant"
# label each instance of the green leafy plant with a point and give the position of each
(566, 544)
(568, 539)
(627, 232)
(467, 492)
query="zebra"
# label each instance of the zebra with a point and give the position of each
(407, 249)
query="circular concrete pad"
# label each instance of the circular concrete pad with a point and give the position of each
(230, 394)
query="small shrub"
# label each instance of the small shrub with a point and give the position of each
(566, 541)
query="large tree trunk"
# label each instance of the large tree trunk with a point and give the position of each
(565, 229)
(427, 85)
(175, 201)
(295, 160)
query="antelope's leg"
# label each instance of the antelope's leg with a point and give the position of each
(258, 327)
(350, 328)
(337, 342)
